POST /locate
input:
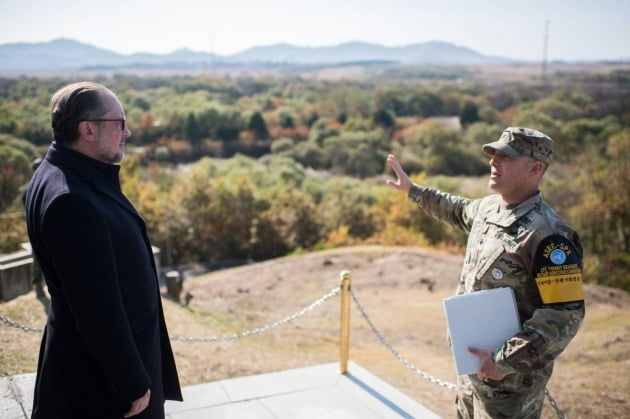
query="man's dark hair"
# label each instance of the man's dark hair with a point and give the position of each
(72, 104)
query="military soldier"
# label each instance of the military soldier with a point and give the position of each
(515, 240)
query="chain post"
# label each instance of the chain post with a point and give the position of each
(344, 338)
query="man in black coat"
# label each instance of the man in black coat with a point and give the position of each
(105, 352)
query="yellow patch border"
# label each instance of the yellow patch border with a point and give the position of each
(560, 284)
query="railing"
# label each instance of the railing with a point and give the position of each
(17, 272)
(347, 294)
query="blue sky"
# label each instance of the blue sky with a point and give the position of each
(578, 29)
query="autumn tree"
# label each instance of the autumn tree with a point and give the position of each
(258, 126)
(469, 113)
(604, 216)
(193, 132)
(355, 153)
(16, 156)
(442, 150)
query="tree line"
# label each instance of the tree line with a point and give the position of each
(258, 167)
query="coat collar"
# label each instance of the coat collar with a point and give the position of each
(102, 176)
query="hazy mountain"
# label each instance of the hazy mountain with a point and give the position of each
(60, 53)
(69, 54)
(72, 55)
(425, 53)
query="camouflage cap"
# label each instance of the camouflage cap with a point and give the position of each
(517, 141)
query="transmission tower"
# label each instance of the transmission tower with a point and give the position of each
(545, 42)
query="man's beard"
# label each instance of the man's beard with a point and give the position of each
(109, 156)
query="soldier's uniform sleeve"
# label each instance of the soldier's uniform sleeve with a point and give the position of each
(455, 210)
(557, 273)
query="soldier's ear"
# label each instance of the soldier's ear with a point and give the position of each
(537, 168)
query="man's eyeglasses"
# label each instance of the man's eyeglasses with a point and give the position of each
(123, 121)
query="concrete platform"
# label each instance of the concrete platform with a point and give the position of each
(318, 392)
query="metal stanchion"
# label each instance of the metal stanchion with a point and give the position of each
(344, 343)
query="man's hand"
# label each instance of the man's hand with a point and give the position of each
(402, 182)
(139, 405)
(487, 368)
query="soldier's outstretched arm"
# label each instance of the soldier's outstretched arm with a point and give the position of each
(440, 205)
(402, 183)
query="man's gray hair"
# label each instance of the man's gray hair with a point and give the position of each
(72, 104)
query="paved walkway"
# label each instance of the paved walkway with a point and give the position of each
(318, 392)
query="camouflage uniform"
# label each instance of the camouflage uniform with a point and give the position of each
(528, 248)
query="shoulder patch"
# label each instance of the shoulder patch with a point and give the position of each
(558, 271)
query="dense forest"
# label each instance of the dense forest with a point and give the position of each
(254, 167)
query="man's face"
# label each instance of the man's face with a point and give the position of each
(110, 138)
(508, 175)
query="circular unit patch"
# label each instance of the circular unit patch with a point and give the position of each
(558, 257)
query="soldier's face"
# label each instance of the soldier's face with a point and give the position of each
(509, 175)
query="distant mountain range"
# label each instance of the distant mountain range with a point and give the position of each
(66, 54)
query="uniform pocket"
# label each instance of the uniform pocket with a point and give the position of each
(487, 261)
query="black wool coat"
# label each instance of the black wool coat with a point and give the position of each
(105, 341)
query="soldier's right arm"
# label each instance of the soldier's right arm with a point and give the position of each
(455, 210)
(452, 209)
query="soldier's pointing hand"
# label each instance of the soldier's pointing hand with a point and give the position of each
(402, 183)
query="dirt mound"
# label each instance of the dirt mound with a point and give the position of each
(370, 267)
(597, 294)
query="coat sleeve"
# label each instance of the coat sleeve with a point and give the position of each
(78, 240)
(455, 210)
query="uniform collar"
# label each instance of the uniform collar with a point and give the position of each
(505, 215)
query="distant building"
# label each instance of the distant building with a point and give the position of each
(450, 121)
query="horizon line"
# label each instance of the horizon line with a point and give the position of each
(285, 43)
